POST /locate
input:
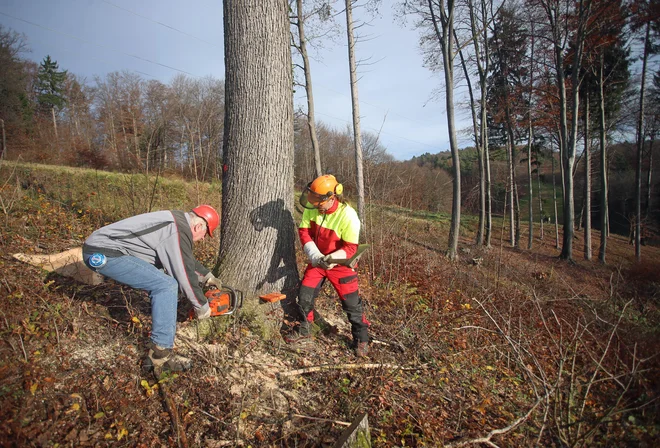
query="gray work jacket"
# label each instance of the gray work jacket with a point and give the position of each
(163, 239)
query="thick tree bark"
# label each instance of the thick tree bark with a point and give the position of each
(357, 135)
(587, 183)
(640, 148)
(257, 239)
(311, 122)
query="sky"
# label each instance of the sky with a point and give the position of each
(161, 38)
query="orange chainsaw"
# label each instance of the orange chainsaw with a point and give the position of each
(222, 301)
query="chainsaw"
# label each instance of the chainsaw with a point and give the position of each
(222, 302)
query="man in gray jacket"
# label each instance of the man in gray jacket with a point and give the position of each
(154, 252)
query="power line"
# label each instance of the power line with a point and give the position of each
(160, 23)
(190, 74)
(104, 61)
(217, 46)
(379, 107)
(383, 132)
(71, 36)
(321, 85)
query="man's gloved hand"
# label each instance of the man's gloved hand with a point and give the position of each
(203, 312)
(214, 281)
(324, 264)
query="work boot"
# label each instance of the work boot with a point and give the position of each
(165, 360)
(362, 349)
(295, 337)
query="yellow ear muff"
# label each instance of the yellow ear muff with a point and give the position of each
(339, 189)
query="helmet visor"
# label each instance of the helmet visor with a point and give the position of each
(316, 199)
(310, 200)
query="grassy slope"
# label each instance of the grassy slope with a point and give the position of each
(70, 354)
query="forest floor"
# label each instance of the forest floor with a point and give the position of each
(509, 346)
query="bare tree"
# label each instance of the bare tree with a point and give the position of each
(587, 182)
(604, 202)
(479, 21)
(436, 20)
(357, 138)
(302, 48)
(652, 131)
(564, 29)
(554, 199)
(538, 183)
(257, 240)
(509, 43)
(640, 145)
(530, 142)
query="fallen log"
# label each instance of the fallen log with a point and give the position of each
(68, 263)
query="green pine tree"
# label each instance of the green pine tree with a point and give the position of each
(50, 86)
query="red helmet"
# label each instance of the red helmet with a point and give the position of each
(208, 214)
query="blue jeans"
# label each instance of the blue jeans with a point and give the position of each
(162, 288)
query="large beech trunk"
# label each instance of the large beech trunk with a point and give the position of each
(257, 240)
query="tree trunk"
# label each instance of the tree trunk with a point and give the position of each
(311, 123)
(511, 192)
(3, 153)
(570, 131)
(357, 135)
(516, 196)
(489, 202)
(530, 141)
(604, 211)
(52, 109)
(257, 239)
(446, 40)
(587, 183)
(640, 148)
(480, 154)
(538, 182)
(647, 207)
(136, 139)
(483, 67)
(530, 189)
(554, 201)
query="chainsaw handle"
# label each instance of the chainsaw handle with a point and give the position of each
(236, 298)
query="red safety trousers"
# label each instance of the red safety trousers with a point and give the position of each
(345, 282)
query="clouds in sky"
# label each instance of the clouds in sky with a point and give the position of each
(159, 39)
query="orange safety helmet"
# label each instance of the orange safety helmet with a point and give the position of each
(323, 188)
(208, 214)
